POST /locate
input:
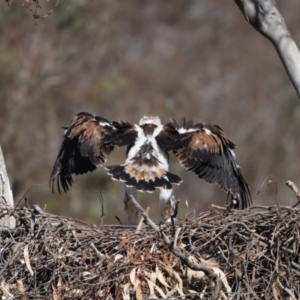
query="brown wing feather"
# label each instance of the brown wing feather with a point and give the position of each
(88, 141)
(207, 151)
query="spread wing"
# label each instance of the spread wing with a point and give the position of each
(206, 150)
(88, 141)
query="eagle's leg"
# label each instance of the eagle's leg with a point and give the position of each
(168, 205)
(131, 210)
(231, 204)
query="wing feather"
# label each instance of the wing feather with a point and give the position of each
(206, 150)
(88, 142)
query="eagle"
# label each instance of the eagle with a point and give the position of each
(201, 148)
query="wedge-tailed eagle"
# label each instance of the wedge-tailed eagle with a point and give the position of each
(202, 148)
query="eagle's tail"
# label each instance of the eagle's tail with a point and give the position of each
(145, 179)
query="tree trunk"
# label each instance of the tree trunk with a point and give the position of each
(6, 196)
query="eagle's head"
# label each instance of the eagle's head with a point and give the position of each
(150, 120)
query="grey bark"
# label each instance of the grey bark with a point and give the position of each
(6, 196)
(265, 17)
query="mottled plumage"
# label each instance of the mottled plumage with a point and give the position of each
(201, 148)
(206, 150)
(88, 141)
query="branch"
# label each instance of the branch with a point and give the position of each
(141, 223)
(6, 196)
(175, 251)
(292, 186)
(264, 16)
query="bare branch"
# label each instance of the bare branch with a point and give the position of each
(264, 16)
(6, 196)
(141, 223)
(292, 186)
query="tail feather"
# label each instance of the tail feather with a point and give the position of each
(173, 178)
(149, 184)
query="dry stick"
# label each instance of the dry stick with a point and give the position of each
(174, 250)
(262, 185)
(153, 297)
(264, 16)
(118, 220)
(99, 254)
(101, 199)
(292, 186)
(6, 196)
(289, 291)
(23, 197)
(37, 6)
(141, 223)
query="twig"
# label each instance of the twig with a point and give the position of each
(119, 220)
(185, 260)
(292, 186)
(101, 199)
(289, 291)
(27, 4)
(99, 254)
(23, 197)
(253, 250)
(141, 223)
(176, 237)
(262, 185)
(75, 238)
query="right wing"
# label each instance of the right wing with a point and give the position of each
(88, 141)
(206, 150)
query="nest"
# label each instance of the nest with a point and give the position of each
(245, 255)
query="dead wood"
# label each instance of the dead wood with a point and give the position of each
(252, 254)
(6, 196)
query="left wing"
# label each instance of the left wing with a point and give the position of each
(206, 150)
(88, 141)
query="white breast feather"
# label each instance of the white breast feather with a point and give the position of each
(142, 139)
(139, 142)
(159, 154)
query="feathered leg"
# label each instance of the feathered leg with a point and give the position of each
(231, 203)
(168, 205)
(131, 210)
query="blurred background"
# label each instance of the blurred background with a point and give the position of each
(125, 59)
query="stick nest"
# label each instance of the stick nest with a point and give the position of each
(255, 253)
